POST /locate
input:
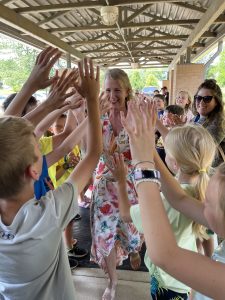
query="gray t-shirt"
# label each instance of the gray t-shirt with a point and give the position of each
(33, 260)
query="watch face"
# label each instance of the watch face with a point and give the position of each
(140, 174)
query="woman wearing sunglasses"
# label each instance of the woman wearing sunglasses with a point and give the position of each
(209, 109)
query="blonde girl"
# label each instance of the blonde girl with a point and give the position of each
(195, 270)
(184, 100)
(189, 154)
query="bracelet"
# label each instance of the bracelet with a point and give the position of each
(144, 161)
(65, 159)
(148, 180)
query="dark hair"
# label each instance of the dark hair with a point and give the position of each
(160, 96)
(9, 99)
(218, 111)
(156, 91)
(175, 109)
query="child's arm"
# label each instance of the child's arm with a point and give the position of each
(68, 144)
(89, 88)
(44, 125)
(38, 79)
(119, 172)
(162, 129)
(195, 270)
(56, 98)
(177, 197)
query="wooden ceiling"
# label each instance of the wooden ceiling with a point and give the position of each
(147, 34)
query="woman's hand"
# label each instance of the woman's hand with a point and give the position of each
(117, 166)
(140, 126)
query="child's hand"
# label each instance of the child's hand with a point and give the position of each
(58, 93)
(39, 77)
(104, 103)
(89, 84)
(140, 126)
(118, 167)
(72, 159)
(176, 120)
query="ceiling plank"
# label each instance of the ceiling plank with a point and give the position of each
(11, 18)
(208, 18)
(190, 6)
(85, 4)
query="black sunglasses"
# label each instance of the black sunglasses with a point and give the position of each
(206, 99)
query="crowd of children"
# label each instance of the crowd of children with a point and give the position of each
(150, 164)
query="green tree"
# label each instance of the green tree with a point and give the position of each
(136, 80)
(17, 64)
(151, 80)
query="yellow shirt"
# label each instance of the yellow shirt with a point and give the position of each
(46, 145)
(52, 170)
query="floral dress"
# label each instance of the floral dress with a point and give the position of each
(108, 230)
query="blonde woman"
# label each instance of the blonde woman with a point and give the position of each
(112, 239)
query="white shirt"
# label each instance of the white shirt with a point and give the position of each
(33, 260)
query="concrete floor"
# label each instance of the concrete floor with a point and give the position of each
(90, 284)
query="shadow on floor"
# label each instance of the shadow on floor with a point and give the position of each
(83, 234)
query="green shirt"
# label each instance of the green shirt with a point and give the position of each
(182, 228)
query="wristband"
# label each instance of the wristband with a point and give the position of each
(148, 180)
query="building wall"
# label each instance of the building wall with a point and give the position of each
(186, 77)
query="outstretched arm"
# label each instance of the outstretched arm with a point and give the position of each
(68, 144)
(89, 88)
(55, 99)
(38, 79)
(119, 171)
(195, 270)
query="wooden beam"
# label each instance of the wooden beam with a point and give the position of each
(208, 18)
(138, 12)
(135, 50)
(11, 18)
(125, 26)
(134, 56)
(131, 40)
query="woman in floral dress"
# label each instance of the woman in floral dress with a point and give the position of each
(112, 239)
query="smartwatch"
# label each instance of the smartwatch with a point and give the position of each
(145, 174)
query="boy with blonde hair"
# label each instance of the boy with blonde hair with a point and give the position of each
(34, 262)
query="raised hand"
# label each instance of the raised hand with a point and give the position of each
(104, 103)
(140, 126)
(59, 93)
(118, 167)
(88, 85)
(39, 77)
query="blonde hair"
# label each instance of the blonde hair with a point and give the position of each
(189, 104)
(194, 149)
(16, 154)
(122, 77)
(221, 172)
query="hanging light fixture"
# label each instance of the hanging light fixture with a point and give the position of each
(109, 15)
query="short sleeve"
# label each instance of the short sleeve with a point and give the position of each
(46, 145)
(136, 217)
(61, 204)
